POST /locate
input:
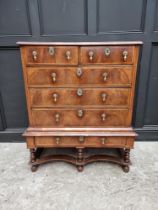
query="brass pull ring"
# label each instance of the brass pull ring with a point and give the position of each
(55, 97)
(103, 116)
(81, 139)
(57, 117)
(104, 96)
(53, 75)
(125, 55)
(103, 140)
(57, 140)
(105, 75)
(34, 55)
(68, 55)
(91, 55)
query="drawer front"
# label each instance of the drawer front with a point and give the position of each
(80, 141)
(80, 117)
(66, 76)
(52, 55)
(108, 55)
(50, 97)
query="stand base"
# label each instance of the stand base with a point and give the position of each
(79, 141)
(79, 160)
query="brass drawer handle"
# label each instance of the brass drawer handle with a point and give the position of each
(91, 55)
(53, 75)
(81, 139)
(80, 113)
(51, 51)
(55, 97)
(57, 117)
(125, 55)
(79, 72)
(103, 140)
(68, 55)
(104, 97)
(103, 116)
(34, 55)
(105, 75)
(107, 51)
(79, 92)
(57, 140)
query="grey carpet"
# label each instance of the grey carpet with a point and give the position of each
(58, 186)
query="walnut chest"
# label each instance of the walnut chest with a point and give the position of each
(80, 95)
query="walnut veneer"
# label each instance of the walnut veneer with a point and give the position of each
(80, 95)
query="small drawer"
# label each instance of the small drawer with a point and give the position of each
(66, 76)
(52, 55)
(80, 117)
(80, 141)
(108, 55)
(50, 97)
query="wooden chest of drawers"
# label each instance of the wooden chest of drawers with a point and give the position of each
(80, 95)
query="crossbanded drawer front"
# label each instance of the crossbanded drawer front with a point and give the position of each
(109, 55)
(51, 97)
(80, 141)
(52, 55)
(80, 117)
(67, 76)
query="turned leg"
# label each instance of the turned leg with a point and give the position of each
(39, 152)
(126, 160)
(33, 159)
(32, 155)
(80, 159)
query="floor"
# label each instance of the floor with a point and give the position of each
(58, 186)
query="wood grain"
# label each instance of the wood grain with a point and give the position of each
(70, 118)
(117, 76)
(99, 57)
(59, 57)
(112, 142)
(50, 97)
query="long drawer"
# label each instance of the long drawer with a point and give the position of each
(80, 117)
(51, 97)
(74, 76)
(81, 141)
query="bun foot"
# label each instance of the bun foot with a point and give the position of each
(34, 168)
(125, 169)
(80, 168)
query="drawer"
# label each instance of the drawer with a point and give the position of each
(50, 97)
(108, 55)
(66, 76)
(80, 117)
(69, 141)
(52, 55)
